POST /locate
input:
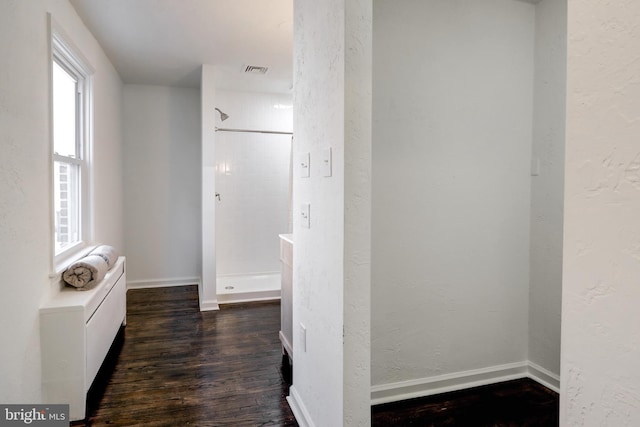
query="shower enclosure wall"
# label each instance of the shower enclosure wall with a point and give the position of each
(252, 194)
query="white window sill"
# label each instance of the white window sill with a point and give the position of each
(68, 257)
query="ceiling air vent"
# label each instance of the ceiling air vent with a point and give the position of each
(254, 69)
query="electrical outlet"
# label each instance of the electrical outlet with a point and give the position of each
(303, 338)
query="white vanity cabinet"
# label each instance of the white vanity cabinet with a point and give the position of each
(286, 295)
(77, 329)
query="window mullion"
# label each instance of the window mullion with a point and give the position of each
(79, 120)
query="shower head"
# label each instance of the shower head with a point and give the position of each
(223, 116)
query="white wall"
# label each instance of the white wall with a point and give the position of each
(25, 178)
(209, 116)
(357, 212)
(332, 50)
(252, 178)
(547, 188)
(162, 185)
(452, 109)
(601, 267)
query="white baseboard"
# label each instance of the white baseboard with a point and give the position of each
(403, 390)
(544, 377)
(299, 410)
(162, 283)
(209, 305)
(239, 297)
(179, 281)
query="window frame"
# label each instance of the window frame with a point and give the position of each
(69, 58)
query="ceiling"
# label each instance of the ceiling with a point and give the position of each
(165, 42)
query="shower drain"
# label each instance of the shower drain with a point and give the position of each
(229, 287)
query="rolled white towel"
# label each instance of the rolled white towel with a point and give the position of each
(85, 273)
(108, 253)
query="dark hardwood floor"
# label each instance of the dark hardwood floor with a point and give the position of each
(176, 366)
(517, 403)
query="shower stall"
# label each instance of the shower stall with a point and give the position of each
(252, 195)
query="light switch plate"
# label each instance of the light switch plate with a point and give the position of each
(535, 166)
(305, 162)
(325, 165)
(305, 210)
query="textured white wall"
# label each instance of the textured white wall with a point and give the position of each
(318, 122)
(547, 189)
(162, 183)
(252, 178)
(25, 181)
(452, 109)
(600, 375)
(331, 259)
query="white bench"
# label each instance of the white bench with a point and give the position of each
(77, 329)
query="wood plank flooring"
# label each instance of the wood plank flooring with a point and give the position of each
(176, 366)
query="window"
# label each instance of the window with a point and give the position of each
(71, 142)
